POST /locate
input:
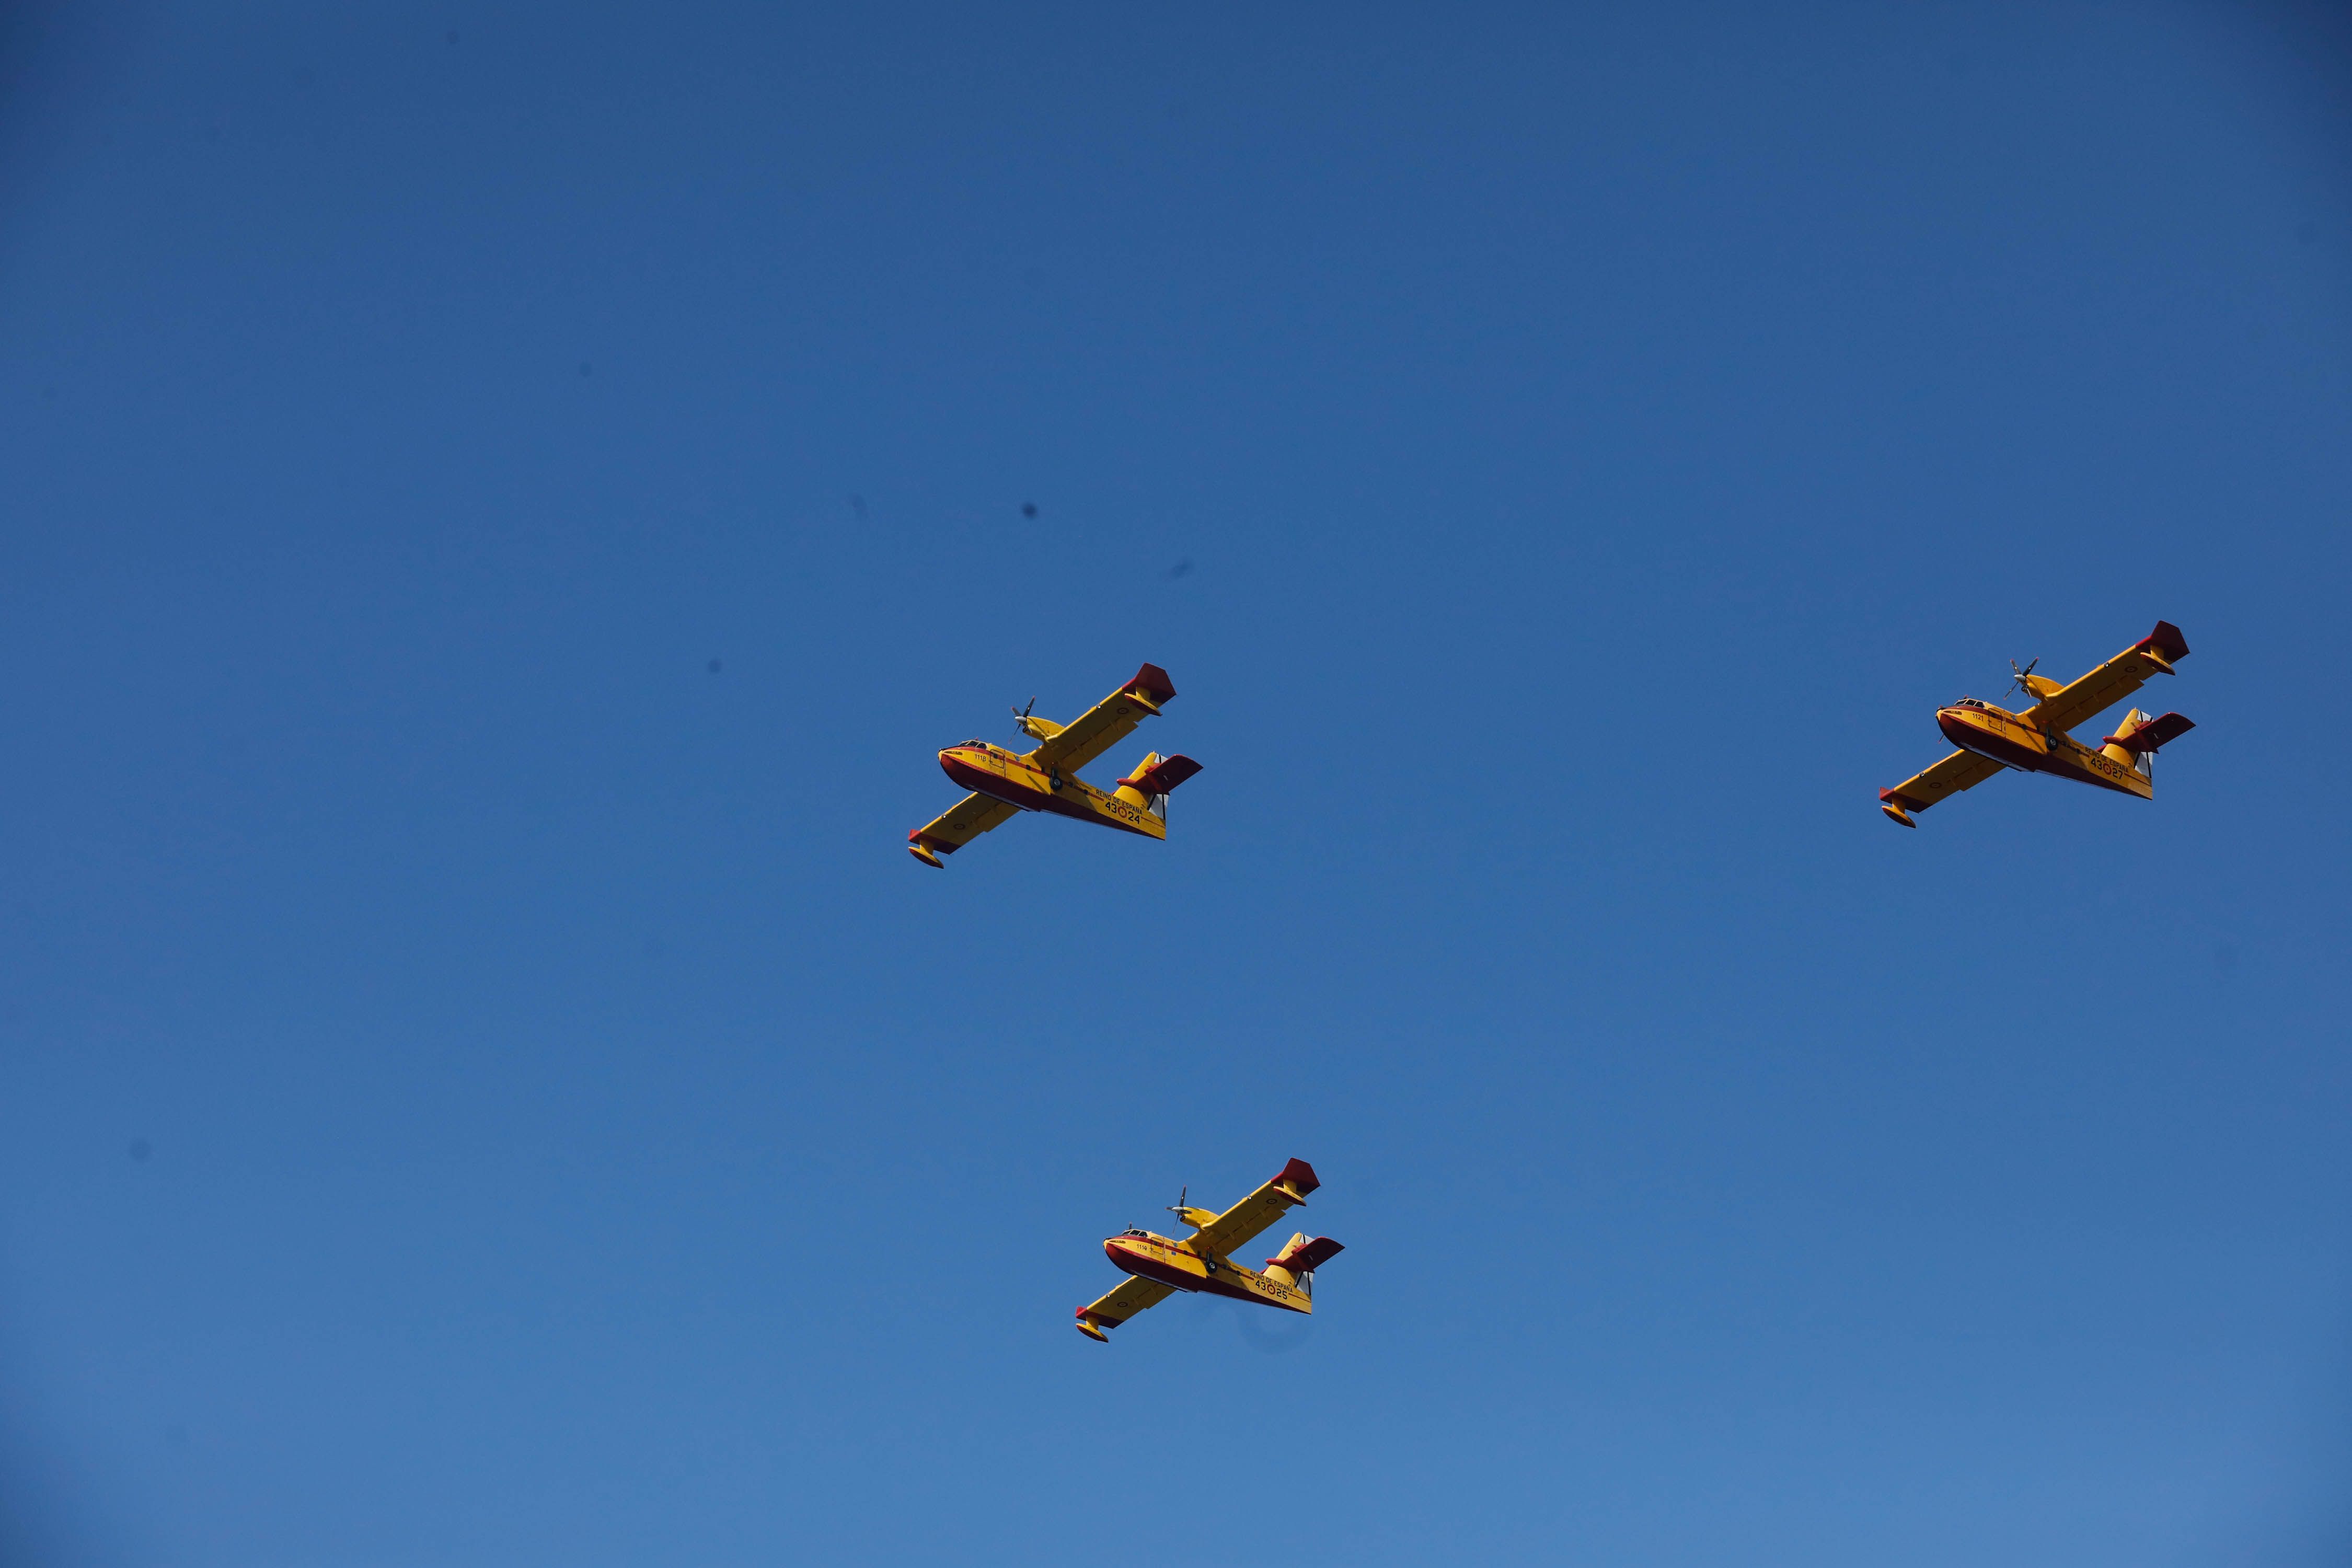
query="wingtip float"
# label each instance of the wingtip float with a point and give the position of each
(1004, 783)
(2035, 741)
(1157, 1266)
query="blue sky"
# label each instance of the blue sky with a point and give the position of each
(479, 1084)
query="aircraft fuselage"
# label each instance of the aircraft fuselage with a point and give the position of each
(1013, 778)
(2010, 739)
(1172, 1263)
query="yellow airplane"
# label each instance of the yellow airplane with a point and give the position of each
(1161, 1265)
(1046, 778)
(2036, 741)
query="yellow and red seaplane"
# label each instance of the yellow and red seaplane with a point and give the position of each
(1004, 783)
(2036, 741)
(1161, 1266)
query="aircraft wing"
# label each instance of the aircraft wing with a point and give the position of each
(1105, 724)
(1256, 1212)
(1109, 1311)
(1961, 770)
(962, 823)
(2113, 681)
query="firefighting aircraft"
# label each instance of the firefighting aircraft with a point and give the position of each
(2036, 741)
(1046, 778)
(1198, 1262)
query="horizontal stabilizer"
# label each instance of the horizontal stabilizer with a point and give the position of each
(1305, 1257)
(1160, 777)
(2152, 734)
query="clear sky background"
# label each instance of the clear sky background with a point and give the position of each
(503, 504)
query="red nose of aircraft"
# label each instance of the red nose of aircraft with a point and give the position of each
(956, 762)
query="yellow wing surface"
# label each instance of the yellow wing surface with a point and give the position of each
(1105, 724)
(1109, 1311)
(2102, 687)
(1961, 770)
(964, 821)
(1256, 1212)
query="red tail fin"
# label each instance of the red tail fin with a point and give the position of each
(2149, 736)
(1161, 776)
(1305, 1257)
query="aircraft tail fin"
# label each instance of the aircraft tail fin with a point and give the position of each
(2138, 737)
(1153, 777)
(1296, 1264)
(2113, 749)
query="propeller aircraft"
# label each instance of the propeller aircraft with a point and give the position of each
(1004, 784)
(1161, 1265)
(2035, 741)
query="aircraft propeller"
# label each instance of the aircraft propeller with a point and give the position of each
(2019, 684)
(1021, 717)
(1199, 1219)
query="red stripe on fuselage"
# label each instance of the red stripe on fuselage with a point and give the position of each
(1985, 743)
(1076, 804)
(2058, 761)
(1143, 1265)
(995, 785)
(1146, 1265)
